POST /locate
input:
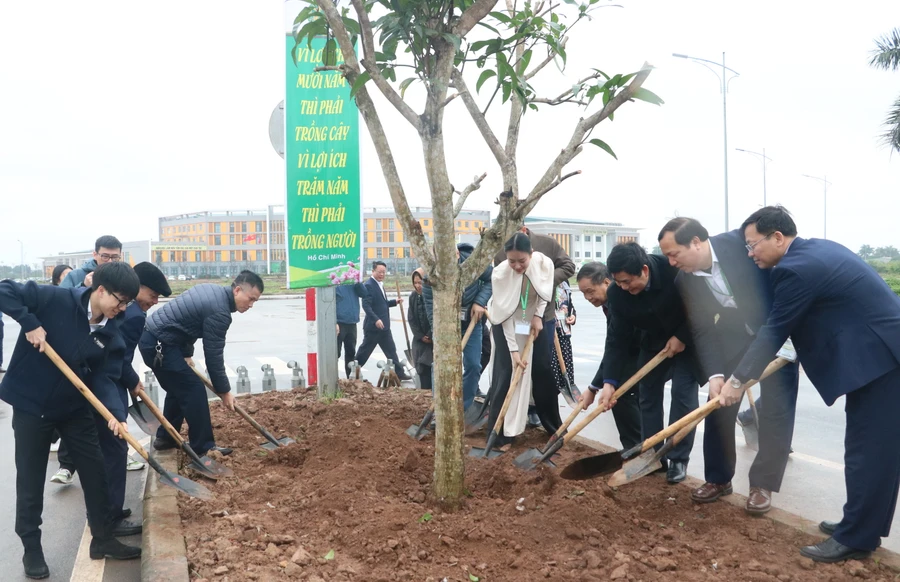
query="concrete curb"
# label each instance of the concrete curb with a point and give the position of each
(164, 553)
(883, 556)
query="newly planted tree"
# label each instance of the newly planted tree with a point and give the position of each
(445, 45)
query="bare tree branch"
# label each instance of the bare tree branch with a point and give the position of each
(475, 185)
(530, 74)
(480, 121)
(558, 102)
(449, 99)
(473, 16)
(328, 68)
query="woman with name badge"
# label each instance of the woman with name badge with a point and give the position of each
(522, 287)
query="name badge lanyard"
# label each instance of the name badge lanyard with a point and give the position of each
(523, 299)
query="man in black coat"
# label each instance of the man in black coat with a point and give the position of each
(728, 299)
(594, 280)
(377, 324)
(82, 324)
(167, 346)
(645, 298)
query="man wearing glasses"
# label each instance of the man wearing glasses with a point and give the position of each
(844, 321)
(107, 249)
(728, 299)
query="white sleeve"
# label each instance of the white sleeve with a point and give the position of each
(509, 331)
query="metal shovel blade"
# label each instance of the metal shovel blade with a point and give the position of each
(570, 393)
(144, 418)
(178, 482)
(415, 432)
(638, 467)
(210, 469)
(530, 458)
(590, 467)
(751, 436)
(476, 415)
(479, 453)
(282, 442)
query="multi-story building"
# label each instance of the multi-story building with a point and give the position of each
(133, 252)
(584, 240)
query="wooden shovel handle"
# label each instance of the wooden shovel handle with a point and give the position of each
(95, 402)
(706, 409)
(513, 386)
(159, 416)
(638, 376)
(403, 316)
(569, 420)
(237, 407)
(468, 334)
(559, 356)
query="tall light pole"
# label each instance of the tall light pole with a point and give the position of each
(723, 86)
(22, 259)
(765, 160)
(825, 184)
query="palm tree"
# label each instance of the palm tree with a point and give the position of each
(865, 252)
(887, 56)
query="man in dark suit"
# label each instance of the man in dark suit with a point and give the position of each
(594, 281)
(728, 299)
(645, 298)
(844, 321)
(377, 324)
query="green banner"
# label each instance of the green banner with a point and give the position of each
(322, 159)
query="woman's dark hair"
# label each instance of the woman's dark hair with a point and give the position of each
(58, 270)
(119, 278)
(518, 242)
(417, 274)
(771, 219)
(595, 270)
(684, 230)
(628, 258)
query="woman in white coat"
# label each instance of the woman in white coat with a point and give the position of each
(522, 287)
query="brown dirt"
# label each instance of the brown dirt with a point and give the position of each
(349, 501)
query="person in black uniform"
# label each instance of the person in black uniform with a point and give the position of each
(594, 281)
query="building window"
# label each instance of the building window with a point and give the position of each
(244, 254)
(391, 224)
(233, 256)
(378, 253)
(259, 226)
(577, 238)
(599, 255)
(577, 254)
(587, 254)
(598, 238)
(391, 252)
(243, 227)
(217, 227)
(390, 236)
(378, 237)
(466, 224)
(230, 227)
(425, 222)
(217, 241)
(231, 240)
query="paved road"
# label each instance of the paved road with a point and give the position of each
(273, 333)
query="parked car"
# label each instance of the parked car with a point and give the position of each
(170, 278)
(182, 278)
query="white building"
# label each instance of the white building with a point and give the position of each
(584, 240)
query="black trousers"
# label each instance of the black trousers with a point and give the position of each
(33, 435)
(871, 462)
(543, 384)
(627, 414)
(185, 395)
(383, 339)
(347, 337)
(776, 431)
(684, 399)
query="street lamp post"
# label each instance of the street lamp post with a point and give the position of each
(825, 184)
(765, 159)
(723, 86)
(22, 260)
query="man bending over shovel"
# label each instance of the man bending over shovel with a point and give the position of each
(167, 345)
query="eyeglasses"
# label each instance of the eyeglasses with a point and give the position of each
(113, 258)
(122, 302)
(752, 246)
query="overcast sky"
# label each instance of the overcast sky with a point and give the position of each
(115, 113)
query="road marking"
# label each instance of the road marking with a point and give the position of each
(818, 461)
(279, 366)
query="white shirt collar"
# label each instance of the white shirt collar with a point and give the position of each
(95, 326)
(715, 261)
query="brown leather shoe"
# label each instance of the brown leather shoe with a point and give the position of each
(709, 492)
(759, 501)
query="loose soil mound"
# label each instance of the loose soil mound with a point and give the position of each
(349, 501)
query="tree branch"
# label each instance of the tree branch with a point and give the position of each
(475, 185)
(480, 121)
(558, 101)
(551, 177)
(473, 16)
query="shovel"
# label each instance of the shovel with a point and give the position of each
(570, 393)
(166, 478)
(751, 431)
(203, 465)
(527, 459)
(408, 351)
(487, 451)
(551, 449)
(606, 463)
(418, 431)
(273, 442)
(141, 414)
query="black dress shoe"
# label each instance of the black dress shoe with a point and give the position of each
(828, 527)
(224, 451)
(125, 513)
(831, 551)
(534, 420)
(404, 377)
(35, 565)
(677, 472)
(113, 549)
(124, 527)
(161, 444)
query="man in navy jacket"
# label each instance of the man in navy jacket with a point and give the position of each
(347, 298)
(728, 299)
(844, 321)
(377, 324)
(82, 326)
(167, 348)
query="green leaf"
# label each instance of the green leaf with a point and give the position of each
(603, 146)
(485, 75)
(406, 83)
(329, 55)
(680, 524)
(426, 517)
(473, 578)
(648, 96)
(359, 82)
(329, 555)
